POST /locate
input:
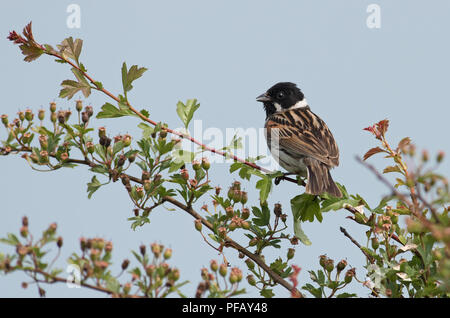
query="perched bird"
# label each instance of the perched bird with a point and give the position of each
(298, 139)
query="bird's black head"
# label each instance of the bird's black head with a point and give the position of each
(280, 97)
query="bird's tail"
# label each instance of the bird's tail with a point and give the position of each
(319, 179)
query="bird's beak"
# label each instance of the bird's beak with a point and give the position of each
(263, 98)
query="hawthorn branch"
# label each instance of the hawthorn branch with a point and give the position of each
(395, 192)
(50, 279)
(229, 242)
(17, 39)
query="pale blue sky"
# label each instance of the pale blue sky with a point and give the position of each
(225, 53)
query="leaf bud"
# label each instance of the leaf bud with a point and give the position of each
(205, 163)
(349, 275)
(251, 280)
(142, 249)
(61, 117)
(125, 264)
(140, 192)
(5, 120)
(253, 241)
(44, 156)
(232, 226)
(24, 231)
(167, 253)
(229, 211)
(29, 115)
(425, 156)
(341, 265)
(79, 105)
(374, 243)
(196, 165)
(250, 263)
(245, 213)
(290, 253)
(150, 269)
(25, 221)
(214, 265)
(156, 249)
(245, 225)
(440, 156)
(147, 185)
(127, 140)
(53, 117)
(84, 117)
(244, 197)
(21, 115)
(329, 265)
(59, 242)
(52, 107)
(43, 141)
(222, 232)
(198, 224)
(67, 114)
(89, 111)
(132, 158)
(323, 260)
(102, 132)
(277, 209)
(223, 269)
(41, 114)
(184, 174)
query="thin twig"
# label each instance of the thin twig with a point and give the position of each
(344, 231)
(231, 243)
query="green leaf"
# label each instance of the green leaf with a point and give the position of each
(118, 146)
(262, 216)
(186, 111)
(71, 49)
(113, 285)
(99, 169)
(298, 232)
(145, 113)
(128, 76)
(316, 292)
(267, 293)
(110, 111)
(335, 204)
(31, 52)
(146, 130)
(305, 207)
(264, 185)
(71, 87)
(93, 186)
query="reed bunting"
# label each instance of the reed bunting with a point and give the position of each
(298, 139)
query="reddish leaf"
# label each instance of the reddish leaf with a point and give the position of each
(383, 126)
(403, 143)
(372, 151)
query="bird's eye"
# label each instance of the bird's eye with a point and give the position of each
(280, 94)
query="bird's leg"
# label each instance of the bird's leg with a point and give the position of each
(278, 179)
